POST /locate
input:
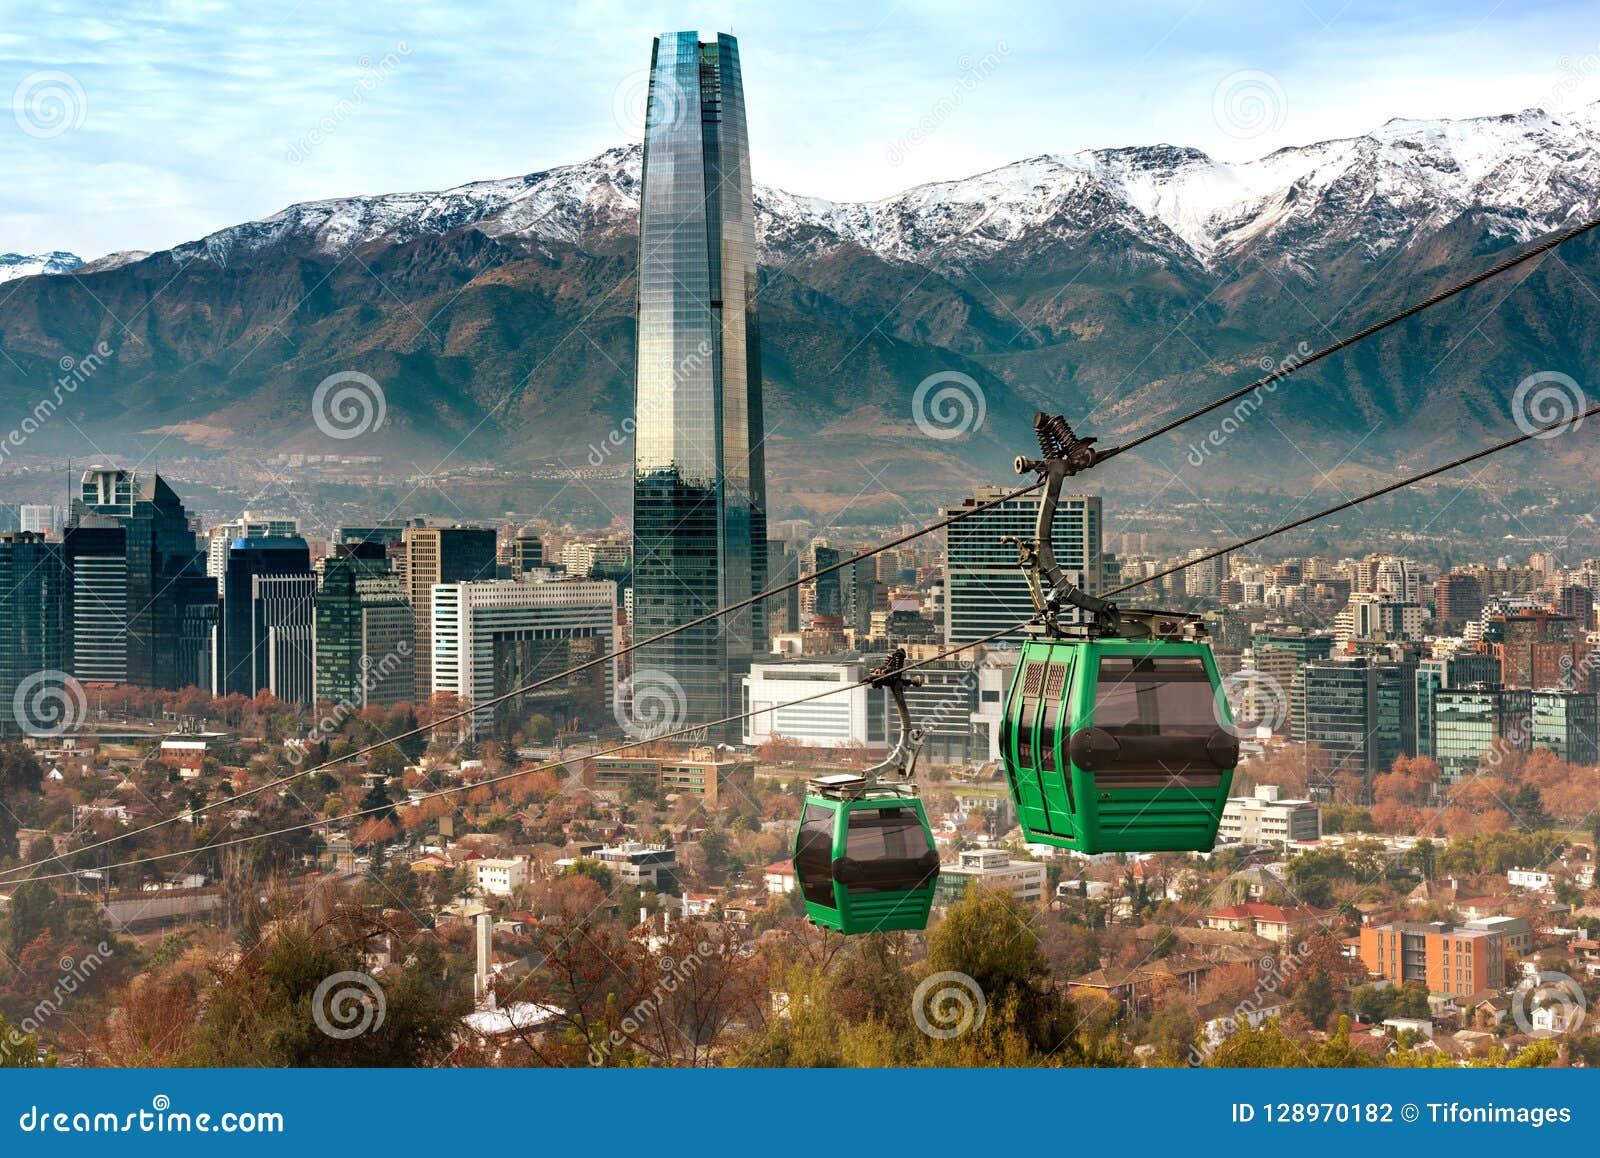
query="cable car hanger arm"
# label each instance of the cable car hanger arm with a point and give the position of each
(901, 763)
(1063, 454)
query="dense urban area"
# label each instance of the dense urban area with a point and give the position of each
(243, 763)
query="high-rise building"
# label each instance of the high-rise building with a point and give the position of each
(699, 491)
(985, 590)
(31, 578)
(431, 555)
(527, 552)
(41, 518)
(827, 608)
(1457, 597)
(1464, 670)
(365, 636)
(1361, 711)
(1537, 649)
(495, 636)
(268, 621)
(143, 610)
(1281, 657)
(1565, 723)
(782, 611)
(247, 526)
(1468, 721)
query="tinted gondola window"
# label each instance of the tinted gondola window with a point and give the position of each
(1154, 695)
(888, 846)
(813, 861)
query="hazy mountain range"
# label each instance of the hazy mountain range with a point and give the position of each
(1117, 286)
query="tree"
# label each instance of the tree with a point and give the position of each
(20, 1051)
(1527, 809)
(276, 1007)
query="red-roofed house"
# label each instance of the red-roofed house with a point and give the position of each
(1277, 923)
(779, 877)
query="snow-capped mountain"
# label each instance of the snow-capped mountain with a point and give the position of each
(1533, 170)
(15, 265)
(1117, 286)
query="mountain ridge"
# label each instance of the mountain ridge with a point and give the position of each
(1116, 285)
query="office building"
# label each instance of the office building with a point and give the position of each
(1467, 722)
(492, 637)
(31, 600)
(1361, 711)
(985, 590)
(527, 552)
(365, 634)
(990, 868)
(433, 555)
(1565, 723)
(247, 526)
(1463, 670)
(782, 611)
(40, 518)
(1457, 597)
(699, 772)
(143, 610)
(773, 688)
(268, 620)
(699, 492)
(1282, 657)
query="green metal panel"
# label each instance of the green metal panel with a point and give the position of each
(1063, 805)
(859, 911)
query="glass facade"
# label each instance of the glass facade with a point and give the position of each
(1466, 721)
(365, 636)
(699, 500)
(30, 616)
(985, 590)
(143, 610)
(1565, 723)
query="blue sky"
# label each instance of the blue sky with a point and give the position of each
(173, 118)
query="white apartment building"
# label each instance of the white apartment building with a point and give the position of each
(991, 867)
(499, 876)
(1267, 817)
(531, 615)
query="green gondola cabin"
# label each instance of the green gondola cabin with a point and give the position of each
(864, 858)
(1118, 745)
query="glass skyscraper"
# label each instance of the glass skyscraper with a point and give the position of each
(699, 491)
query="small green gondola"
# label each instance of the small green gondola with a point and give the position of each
(864, 857)
(1116, 736)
